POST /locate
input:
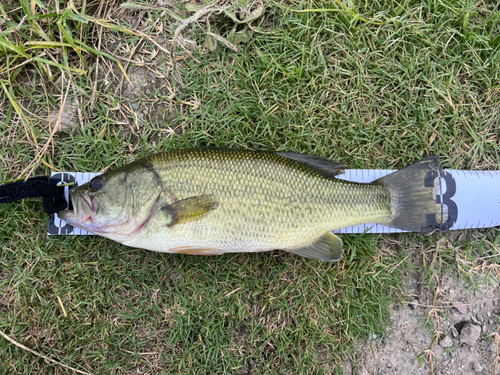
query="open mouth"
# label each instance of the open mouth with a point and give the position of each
(84, 210)
(69, 215)
(84, 207)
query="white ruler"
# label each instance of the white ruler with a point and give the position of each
(471, 199)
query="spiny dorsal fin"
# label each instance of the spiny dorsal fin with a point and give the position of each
(326, 167)
(327, 248)
(189, 209)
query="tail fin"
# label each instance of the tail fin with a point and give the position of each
(413, 197)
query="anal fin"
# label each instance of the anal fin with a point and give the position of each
(327, 248)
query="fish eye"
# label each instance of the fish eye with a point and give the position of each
(96, 184)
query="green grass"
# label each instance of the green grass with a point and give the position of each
(419, 78)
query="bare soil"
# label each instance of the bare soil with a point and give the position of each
(451, 328)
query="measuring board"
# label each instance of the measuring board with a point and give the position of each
(471, 199)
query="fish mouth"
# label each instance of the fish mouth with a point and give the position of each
(83, 213)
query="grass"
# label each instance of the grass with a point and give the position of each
(381, 84)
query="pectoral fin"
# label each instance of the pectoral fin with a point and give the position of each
(189, 209)
(327, 248)
(191, 250)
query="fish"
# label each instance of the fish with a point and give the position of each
(211, 201)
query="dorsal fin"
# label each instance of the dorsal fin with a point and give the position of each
(326, 167)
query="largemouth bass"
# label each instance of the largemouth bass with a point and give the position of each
(216, 201)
